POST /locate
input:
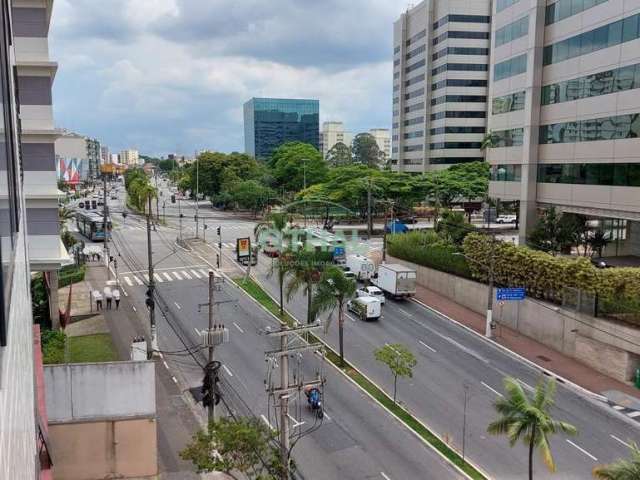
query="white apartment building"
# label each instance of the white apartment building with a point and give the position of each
(440, 76)
(331, 134)
(565, 110)
(129, 157)
(383, 139)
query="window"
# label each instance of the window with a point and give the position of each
(414, 148)
(459, 34)
(502, 4)
(417, 93)
(416, 52)
(609, 35)
(459, 51)
(607, 174)
(441, 130)
(566, 8)
(414, 108)
(415, 66)
(451, 145)
(460, 67)
(414, 121)
(458, 82)
(507, 138)
(416, 37)
(459, 99)
(602, 83)
(417, 134)
(508, 103)
(454, 160)
(506, 173)
(457, 114)
(514, 30)
(511, 67)
(461, 19)
(606, 128)
(414, 80)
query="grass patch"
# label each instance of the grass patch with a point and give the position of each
(84, 349)
(257, 292)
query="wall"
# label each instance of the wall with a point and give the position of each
(105, 449)
(606, 346)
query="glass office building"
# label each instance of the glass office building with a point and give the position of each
(270, 122)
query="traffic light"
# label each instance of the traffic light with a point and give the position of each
(124, 214)
(195, 218)
(218, 230)
(149, 300)
(173, 199)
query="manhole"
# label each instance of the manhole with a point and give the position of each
(543, 358)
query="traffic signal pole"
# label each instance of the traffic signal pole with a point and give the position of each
(150, 301)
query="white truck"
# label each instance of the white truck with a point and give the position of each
(396, 280)
(361, 266)
(365, 308)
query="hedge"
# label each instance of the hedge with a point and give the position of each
(71, 274)
(429, 250)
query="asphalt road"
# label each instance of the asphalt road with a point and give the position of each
(356, 440)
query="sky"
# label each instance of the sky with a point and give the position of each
(166, 76)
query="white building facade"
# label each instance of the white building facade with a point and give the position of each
(383, 139)
(565, 110)
(440, 83)
(129, 157)
(331, 134)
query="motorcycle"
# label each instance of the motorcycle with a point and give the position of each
(314, 399)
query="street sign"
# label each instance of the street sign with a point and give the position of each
(508, 294)
(243, 246)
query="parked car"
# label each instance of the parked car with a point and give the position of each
(507, 219)
(371, 291)
(396, 227)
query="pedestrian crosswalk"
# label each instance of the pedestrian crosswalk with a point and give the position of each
(194, 272)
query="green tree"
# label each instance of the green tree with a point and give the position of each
(621, 469)
(334, 290)
(273, 230)
(529, 419)
(242, 446)
(252, 195)
(65, 214)
(365, 151)
(555, 232)
(296, 165)
(598, 241)
(400, 361)
(453, 227)
(304, 272)
(339, 155)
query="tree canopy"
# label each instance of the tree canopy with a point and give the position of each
(295, 164)
(365, 151)
(339, 155)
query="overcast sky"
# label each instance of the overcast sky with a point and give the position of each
(172, 75)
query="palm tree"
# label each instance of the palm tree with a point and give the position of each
(528, 419)
(334, 290)
(621, 469)
(145, 192)
(275, 224)
(304, 271)
(64, 214)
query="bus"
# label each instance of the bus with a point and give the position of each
(90, 224)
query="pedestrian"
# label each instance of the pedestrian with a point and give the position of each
(116, 297)
(98, 256)
(98, 297)
(108, 295)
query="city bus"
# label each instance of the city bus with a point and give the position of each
(90, 224)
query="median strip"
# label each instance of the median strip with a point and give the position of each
(262, 297)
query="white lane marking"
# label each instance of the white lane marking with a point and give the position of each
(326, 416)
(427, 346)
(582, 450)
(350, 317)
(203, 272)
(178, 306)
(405, 312)
(177, 275)
(166, 365)
(296, 423)
(264, 419)
(128, 280)
(238, 327)
(618, 407)
(174, 380)
(384, 475)
(633, 414)
(138, 281)
(621, 441)
(197, 331)
(125, 292)
(158, 278)
(167, 276)
(195, 274)
(227, 370)
(526, 386)
(186, 275)
(134, 308)
(493, 390)
(146, 277)
(228, 245)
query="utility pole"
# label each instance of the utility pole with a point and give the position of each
(155, 177)
(464, 418)
(105, 223)
(197, 192)
(211, 407)
(384, 236)
(285, 389)
(369, 210)
(152, 286)
(492, 263)
(180, 215)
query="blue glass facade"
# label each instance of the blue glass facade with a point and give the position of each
(270, 122)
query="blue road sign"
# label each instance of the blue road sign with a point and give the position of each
(507, 294)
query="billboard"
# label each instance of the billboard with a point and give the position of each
(243, 247)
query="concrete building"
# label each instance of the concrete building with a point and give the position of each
(22, 444)
(115, 158)
(94, 156)
(105, 155)
(332, 133)
(383, 139)
(129, 157)
(72, 157)
(440, 76)
(565, 99)
(271, 122)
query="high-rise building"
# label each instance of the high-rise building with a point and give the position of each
(72, 157)
(333, 133)
(129, 157)
(23, 439)
(94, 156)
(383, 139)
(105, 155)
(441, 56)
(565, 103)
(271, 122)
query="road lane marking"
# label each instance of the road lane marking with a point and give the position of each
(177, 275)
(238, 327)
(186, 275)
(178, 306)
(206, 274)
(138, 281)
(197, 331)
(296, 423)
(427, 346)
(167, 276)
(264, 419)
(129, 282)
(166, 365)
(158, 278)
(175, 380)
(134, 308)
(195, 274)
(146, 277)
(326, 416)
(633, 414)
(582, 450)
(525, 385)
(384, 475)
(493, 390)
(621, 441)
(405, 312)
(350, 317)
(125, 292)
(227, 370)
(618, 407)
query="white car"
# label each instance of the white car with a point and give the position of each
(371, 291)
(506, 219)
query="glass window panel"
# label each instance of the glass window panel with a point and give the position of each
(634, 126)
(586, 42)
(615, 33)
(633, 175)
(588, 4)
(561, 51)
(600, 37)
(550, 14)
(625, 77)
(630, 28)
(576, 6)
(620, 174)
(564, 9)
(574, 46)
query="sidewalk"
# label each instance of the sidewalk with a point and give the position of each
(176, 421)
(543, 356)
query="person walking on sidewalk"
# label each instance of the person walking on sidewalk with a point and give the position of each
(108, 295)
(98, 298)
(116, 297)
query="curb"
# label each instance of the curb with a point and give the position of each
(568, 383)
(360, 388)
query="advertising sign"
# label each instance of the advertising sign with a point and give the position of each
(243, 247)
